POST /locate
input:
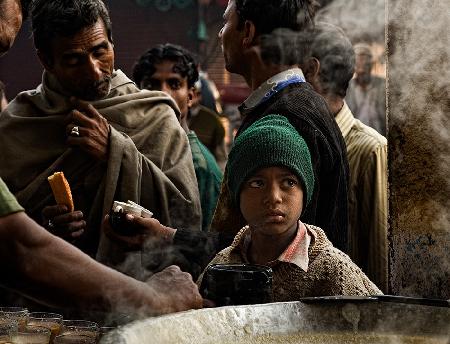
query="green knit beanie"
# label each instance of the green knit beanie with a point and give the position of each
(270, 141)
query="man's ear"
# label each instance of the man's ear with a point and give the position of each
(190, 97)
(45, 60)
(311, 68)
(249, 34)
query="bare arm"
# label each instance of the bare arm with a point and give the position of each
(48, 269)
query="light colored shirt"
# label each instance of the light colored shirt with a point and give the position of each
(367, 158)
(296, 253)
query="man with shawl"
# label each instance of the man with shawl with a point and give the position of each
(111, 140)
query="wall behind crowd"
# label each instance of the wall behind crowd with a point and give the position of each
(137, 25)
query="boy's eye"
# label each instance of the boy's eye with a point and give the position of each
(290, 182)
(255, 183)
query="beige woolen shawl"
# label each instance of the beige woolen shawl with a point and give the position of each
(149, 161)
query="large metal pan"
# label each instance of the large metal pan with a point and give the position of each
(313, 320)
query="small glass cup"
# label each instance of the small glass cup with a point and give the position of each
(18, 314)
(8, 327)
(104, 330)
(74, 338)
(32, 335)
(51, 321)
(81, 327)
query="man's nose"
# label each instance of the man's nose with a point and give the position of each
(220, 33)
(94, 69)
(166, 88)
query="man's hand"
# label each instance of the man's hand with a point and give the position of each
(144, 229)
(93, 130)
(60, 222)
(177, 289)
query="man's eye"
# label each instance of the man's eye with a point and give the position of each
(174, 84)
(72, 61)
(100, 52)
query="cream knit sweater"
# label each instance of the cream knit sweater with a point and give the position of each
(330, 271)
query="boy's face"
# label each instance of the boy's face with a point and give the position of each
(271, 201)
(166, 80)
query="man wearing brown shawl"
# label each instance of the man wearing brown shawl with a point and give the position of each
(125, 144)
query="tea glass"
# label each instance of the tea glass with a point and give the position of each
(80, 327)
(32, 335)
(8, 327)
(18, 314)
(74, 338)
(51, 321)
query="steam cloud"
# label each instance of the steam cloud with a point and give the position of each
(362, 20)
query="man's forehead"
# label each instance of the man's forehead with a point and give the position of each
(168, 67)
(85, 38)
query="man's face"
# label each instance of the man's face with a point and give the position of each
(363, 68)
(10, 23)
(166, 80)
(83, 63)
(230, 38)
(271, 201)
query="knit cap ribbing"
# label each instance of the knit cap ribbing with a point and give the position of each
(270, 141)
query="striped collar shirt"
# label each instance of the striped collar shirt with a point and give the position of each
(367, 159)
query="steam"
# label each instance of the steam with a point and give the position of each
(418, 103)
(362, 20)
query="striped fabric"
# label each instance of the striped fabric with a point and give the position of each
(367, 158)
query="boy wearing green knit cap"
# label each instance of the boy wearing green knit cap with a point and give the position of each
(271, 180)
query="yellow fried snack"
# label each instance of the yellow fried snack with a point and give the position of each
(61, 190)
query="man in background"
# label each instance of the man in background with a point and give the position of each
(256, 45)
(208, 127)
(172, 69)
(12, 13)
(366, 95)
(113, 141)
(329, 66)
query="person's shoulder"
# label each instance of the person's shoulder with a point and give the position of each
(367, 136)
(331, 258)
(203, 158)
(378, 80)
(207, 114)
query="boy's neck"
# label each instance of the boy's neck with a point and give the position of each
(267, 248)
